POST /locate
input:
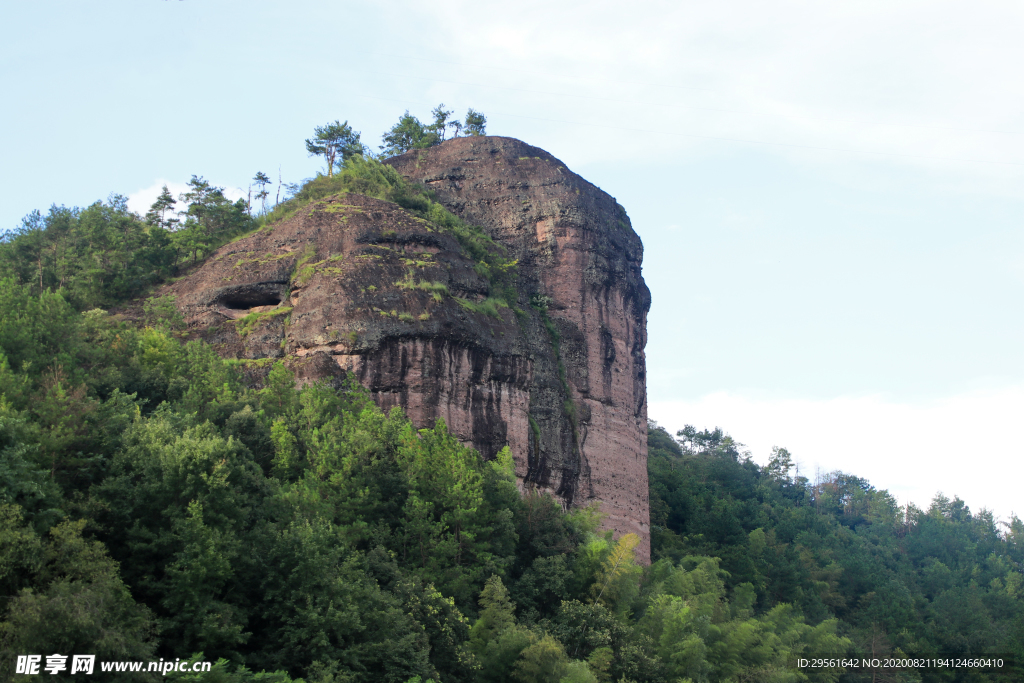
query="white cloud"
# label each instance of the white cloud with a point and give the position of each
(140, 200)
(967, 445)
(931, 85)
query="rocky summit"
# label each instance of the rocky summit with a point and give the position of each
(554, 368)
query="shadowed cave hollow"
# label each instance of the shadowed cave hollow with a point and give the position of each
(251, 298)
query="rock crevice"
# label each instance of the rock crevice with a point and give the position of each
(357, 285)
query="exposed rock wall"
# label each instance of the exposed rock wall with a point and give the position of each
(332, 289)
(575, 247)
(341, 287)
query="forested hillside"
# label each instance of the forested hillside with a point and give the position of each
(153, 505)
(901, 580)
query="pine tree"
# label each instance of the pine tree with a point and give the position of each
(333, 140)
(476, 123)
(158, 211)
(261, 180)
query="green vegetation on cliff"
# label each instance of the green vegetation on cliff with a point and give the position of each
(306, 532)
(409, 133)
(901, 580)
(303, 530)
(368, 176)
(104, 254)
(153, 505)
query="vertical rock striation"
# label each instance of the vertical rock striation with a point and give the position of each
(355, 285)
(580, 259)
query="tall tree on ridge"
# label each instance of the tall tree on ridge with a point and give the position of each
(261, 180)
(476, 123)
(333, 140)
(411, 133)
(158, 211)
(441, 116)
(199, 197)
(408, 133)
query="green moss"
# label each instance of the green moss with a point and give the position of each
(535, 430)
(251, 362)
(262, 259)
(490, 306)
(408, 282)
(371, 178)
(302, 271)
(540, 301)
(568, 406)
(438, 289)
(303, 275)
(244, 326)
(407, 317)
(247, 234)
(338, 207)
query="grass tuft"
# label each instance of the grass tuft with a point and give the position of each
(490, 306)
(243, 326)
(372, 178)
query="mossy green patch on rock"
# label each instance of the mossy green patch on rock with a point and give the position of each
(243, 326)
(262, 260)
(490, 306)
(253, 362)
(302, 271)
(337, 207)
(439, 289)
(371, 178)
(560, 383)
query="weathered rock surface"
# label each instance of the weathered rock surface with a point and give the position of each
(356, 285)
(575, 245)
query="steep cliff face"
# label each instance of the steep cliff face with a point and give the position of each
(578, 254)
(355, 285)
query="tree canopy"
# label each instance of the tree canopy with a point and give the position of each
(411, 133)
(160, 501)
(335, 142)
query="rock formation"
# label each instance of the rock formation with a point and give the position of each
(356, 285)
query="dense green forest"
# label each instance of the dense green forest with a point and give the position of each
(152, 505)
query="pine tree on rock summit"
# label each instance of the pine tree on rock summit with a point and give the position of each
(333, 140)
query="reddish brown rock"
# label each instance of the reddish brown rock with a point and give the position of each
(356, 285)
(577, 250)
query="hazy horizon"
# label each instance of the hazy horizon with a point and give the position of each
(830, 197)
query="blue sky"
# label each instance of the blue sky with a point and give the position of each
(830, 195)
